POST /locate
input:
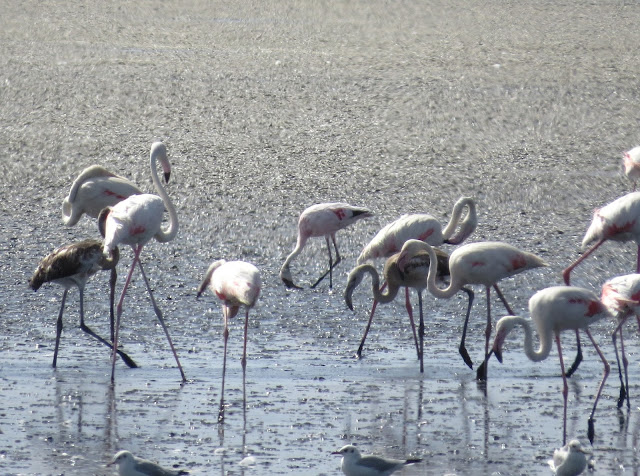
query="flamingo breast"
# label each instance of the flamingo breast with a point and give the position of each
(134, 220)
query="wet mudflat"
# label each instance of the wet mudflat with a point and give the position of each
(266, 109)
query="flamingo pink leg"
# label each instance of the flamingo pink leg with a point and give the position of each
(224, 362)
(413, 325)
(421, 331)
(59, 327)
(366, 330)
(624, 384)
(244, 348)
(605, 374)
(566, 274)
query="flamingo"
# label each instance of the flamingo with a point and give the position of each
(134, 221)
(73, 265)
(553, 310)
(622, 296)
(355, 464)
(236, 284)
(631, 164)
(616, 221)
(483, 263)
(414, 275)
(323, 219)
(570, 460)
(390, 239)
(96, 188)
(129, 465)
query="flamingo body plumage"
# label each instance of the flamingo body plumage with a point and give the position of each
(553, 310)
(72, 266)
(237, 284)
(484, 263)
(323, 219)
(631, 165)
(423, 227)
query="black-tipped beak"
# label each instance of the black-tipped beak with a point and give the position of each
(167, 176)
(290, 284)
(498, 355)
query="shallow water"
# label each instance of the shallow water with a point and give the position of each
(525, 106)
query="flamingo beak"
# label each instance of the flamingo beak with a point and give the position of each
(167, 176)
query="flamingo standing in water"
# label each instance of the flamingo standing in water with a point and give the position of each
(96, 188)
(323, 219)
(622, 296)
(73, 265)
(553, 310)
(483, 263)
(616, 221)
(631, 164)
(390, 239)
(134, 221)
(413, 275)
(236, 284)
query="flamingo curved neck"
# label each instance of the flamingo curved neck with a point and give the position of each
(381, 297)
(545, 337)
(469, 222)
(170, 233)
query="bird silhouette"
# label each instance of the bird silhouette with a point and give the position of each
(622, 296)
(72, 265)
(129, 465)
(323, 219)
(135, 221)
(236, 284)
(413, 275)
(553, 310)
(391, 238)
(484, 263)
(355, 464)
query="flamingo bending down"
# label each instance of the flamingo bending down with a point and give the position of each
(569, 460)
(483, 263)
(323, 219)
(94, 189)
(236, 284)
(622, 296)
(631, 164)
(413, 275)
(73, 265)
(134, 222)
(390, 239)
(553, 310)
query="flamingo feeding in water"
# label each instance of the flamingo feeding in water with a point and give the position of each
(390, 239)
(73, 265)
(631, 164)
(323, 219)
(236, 284)
(413, 275)
(483, 263)
(553, 310)
(134, 221)
(94, 189)
(622, 296)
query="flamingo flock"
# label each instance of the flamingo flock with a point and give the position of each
(127, 216)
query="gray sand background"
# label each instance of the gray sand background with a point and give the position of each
(267, 108)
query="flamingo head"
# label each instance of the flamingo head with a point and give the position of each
(207, 277)
(287, 278)
(159, 152)
(102, 220)
(354, 279)
(503, 327)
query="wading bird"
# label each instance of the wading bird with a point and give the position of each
(484, 263)
(413, 275)
(631, 164)
(73, 265)
(324, 219)
(355, 464)
(390, 239)
(553, 310)
(236, 284)
(134, 221)
(129, 465)
(622, 296)
(570, 460)
(94, 189)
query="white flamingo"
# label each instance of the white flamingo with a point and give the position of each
(553, 310)
(483, 263)
(236, 284)
(323, 219)
(413, 275)
(134, 221)
(622, 296)
(424, 227)
(72, 266)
